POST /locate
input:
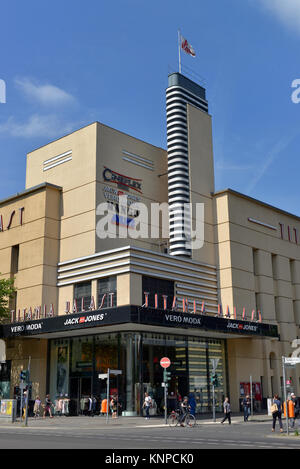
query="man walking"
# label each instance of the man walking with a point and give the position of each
(147, 405)
(227, 411)
(247, 407)
(296, 401)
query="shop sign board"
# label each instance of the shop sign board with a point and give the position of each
(137, 315)
(291, 360)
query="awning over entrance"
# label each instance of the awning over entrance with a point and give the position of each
(138, 315)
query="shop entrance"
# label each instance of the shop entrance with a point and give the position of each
(80, 390)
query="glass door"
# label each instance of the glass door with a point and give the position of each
(80, 390)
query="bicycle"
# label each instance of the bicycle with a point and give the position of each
(174, 420)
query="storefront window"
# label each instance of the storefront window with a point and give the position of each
(107, 292)
(198, 373)
(77, 362)
(190, 370)
(216, 351)
(5, 379)
(59, 368)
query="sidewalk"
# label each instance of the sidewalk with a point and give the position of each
(97, 422)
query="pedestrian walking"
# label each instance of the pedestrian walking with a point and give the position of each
(103, 407)
(247, 407)
(90, 406)
(36, 407)
(48, 405)
(276, 410)
(291, 410)
(227, 411)
(296, 401)
(147, 405)
(114, 406)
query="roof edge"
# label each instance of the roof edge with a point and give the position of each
(18, 195)
(252, 199)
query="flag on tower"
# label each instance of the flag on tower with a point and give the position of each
(188, 48)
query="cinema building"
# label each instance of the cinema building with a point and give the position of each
(86, 303)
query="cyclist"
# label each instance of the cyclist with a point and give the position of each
(184, 409)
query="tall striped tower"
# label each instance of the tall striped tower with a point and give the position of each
(181, 91)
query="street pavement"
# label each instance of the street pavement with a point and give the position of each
(138, 433)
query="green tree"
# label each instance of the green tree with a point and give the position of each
(7, 291)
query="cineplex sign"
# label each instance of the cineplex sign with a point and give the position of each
(137, 315)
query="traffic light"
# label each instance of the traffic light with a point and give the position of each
(215, 380)
(167, 376)
(24, 375)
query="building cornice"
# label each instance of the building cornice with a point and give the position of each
(259, 202)
(29, 191)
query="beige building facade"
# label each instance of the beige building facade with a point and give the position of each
(90, 298)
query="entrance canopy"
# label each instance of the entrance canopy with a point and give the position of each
(135, 315)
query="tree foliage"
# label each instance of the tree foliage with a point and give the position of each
(7, 291)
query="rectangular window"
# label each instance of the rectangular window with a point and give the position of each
(107, 292)
(13, 302)
(257, 302)
(255, 263)
(274, 267)
(83, 293)
(292, 270)
(160, 287)
(15, 259)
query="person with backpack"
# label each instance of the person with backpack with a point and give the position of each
(276, 412)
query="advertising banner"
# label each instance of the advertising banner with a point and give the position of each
(8, 409)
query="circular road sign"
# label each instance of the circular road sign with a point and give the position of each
(165, 362)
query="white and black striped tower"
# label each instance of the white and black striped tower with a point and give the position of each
(181, 91)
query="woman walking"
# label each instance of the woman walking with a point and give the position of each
(276, 410)
(227, 411)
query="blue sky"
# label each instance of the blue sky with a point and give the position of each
(67, 64)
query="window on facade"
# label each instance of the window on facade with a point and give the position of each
(255, 261)
(82, 294)
(274, 266)
(15, 259)
(272, 360)
(257, 305)
(162, 287)
(107, 292)
(292, 270)
(13, 302)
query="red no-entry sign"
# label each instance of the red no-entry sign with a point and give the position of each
(165, 362)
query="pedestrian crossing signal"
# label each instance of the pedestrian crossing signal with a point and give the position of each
(24, 375)
(215, 380)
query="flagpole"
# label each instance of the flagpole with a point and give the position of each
(179, 49)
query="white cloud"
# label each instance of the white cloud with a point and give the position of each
(44, 94)
(287, 11)
(35, 126)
